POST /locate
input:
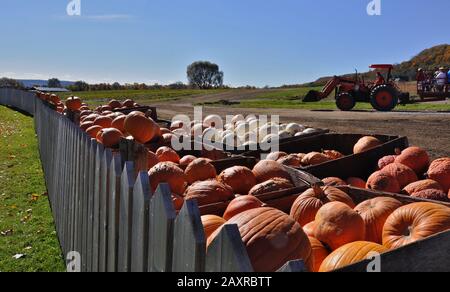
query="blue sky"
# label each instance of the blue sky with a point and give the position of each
(257, 42)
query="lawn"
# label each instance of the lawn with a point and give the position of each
(26, 223)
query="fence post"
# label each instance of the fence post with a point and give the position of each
(115, 171)
(139, 232)
(91, 194)
(189, 250)
(96, 212)
(104, 203)
(85, 203)
(227, 252)
(126, 203)
(161, 227)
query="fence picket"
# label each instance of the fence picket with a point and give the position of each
(115, 172)
(104, 204)
(96, 211)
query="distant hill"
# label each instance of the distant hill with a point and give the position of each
(31, 83)
(428, 59)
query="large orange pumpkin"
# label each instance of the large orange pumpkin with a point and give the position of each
(402, 173)
(268, 169)
(440, 171)
(115, 104)
(186, 160)
(104, 122)
(86, 125)
(118, 123)
(109, 137)
(129, 103)
(168, 172)
(315, 158)
(421, 186)
(143, 129)
(271, 238)
(350, 254)
(337, 224)
(415, 222)
(93, 131)
(375, 213)
(366, 143)
(152, 159)
(270, 186)
(415, 158)
(241, 204)
(380, 181)
(239, 178)
(73, 103)
(307, 205)
(209, 192)
(357, 182)
(211, 223)
(89, 118)
(320, 253)
(334, 182)
(200, 169)
(166, 154)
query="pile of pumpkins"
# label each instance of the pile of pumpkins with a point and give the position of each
(240, 131)
(326, 229)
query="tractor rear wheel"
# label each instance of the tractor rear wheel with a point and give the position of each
(345, 102)
(384, 98)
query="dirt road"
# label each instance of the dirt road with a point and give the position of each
(428, 130)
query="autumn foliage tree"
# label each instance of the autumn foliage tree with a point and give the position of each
(204, 75)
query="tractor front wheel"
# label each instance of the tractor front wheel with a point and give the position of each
(345, 102)
(384, 98)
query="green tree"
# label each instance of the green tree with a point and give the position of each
(12, 83)
(204, 75)
(54, 82)
(79, 86)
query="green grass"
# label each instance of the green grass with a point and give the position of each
(142, 96)
(26, 223)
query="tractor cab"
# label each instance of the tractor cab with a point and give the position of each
(385, 70)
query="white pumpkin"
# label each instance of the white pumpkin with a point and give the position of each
(214, 121)
(294, 128)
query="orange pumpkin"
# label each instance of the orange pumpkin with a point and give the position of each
(118, 123)
(73, 103)
(431, 194)
(241, 204)
(109, 137)
(129, 103)
(310, 229)
(168, 172)
(208, 192)
(211, 223)
(86, 125)
(337, 224)
(333, 154)
(380, 181)
(143, 129)
(186, 160)
(239, 178)
(315, 158)
(307, 205)
(104, 122)
(152, 159)
(356, 182)
(271, 238)
(415, 158)
(268, 169)
(402, 173)
(415, 222)
(178, 202)
(115, 104)
(320, 253)
(166, 154)
(89, 118)
(440, 171)
(270, 186)
(365, 144)
(93, 131)
(385, 161)
(375, 212)
(200, 169)
(291, 160)
(350, 254)
(422, 185)
(334, 182)
(274, 156)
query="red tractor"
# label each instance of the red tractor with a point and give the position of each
(384, 94)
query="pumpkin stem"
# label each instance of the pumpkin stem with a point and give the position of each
(317, 189)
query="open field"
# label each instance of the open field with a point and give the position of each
(281, 98)
(26, 222)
